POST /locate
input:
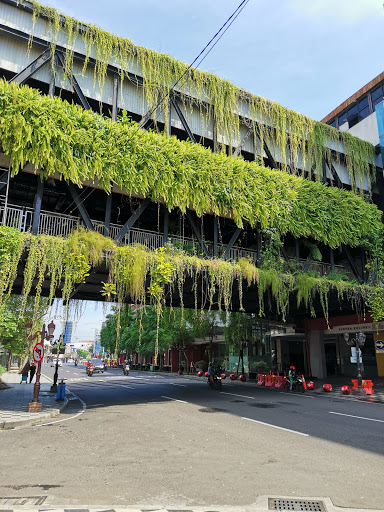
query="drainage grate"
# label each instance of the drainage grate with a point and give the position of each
(296, 505)
(30, 500)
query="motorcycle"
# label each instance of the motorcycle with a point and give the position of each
(89, 370)
(126, 370)
(215, 380)
(297, 385)
(75, 363)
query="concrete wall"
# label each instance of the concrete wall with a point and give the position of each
(366, 129)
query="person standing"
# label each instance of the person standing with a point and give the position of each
(32, 372)
(192, 367)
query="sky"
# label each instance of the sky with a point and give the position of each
(308, 55)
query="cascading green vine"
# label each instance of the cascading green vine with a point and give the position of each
(80, 145)
(137, 275)
(294, 134)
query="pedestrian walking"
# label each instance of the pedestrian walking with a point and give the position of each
(32, 372)
(192, 367)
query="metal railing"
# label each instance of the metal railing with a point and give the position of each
(58, 224)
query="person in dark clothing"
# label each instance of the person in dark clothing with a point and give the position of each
(32, 371)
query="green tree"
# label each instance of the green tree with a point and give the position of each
(13, 321)
(82, 353)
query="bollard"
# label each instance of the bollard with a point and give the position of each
(367, 385)
(260, 379)
(280, 382)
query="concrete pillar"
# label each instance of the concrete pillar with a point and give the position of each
(317, 354)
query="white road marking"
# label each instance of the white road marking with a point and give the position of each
(234, 394)
(296, 394)
(275, 426)
(174, 399)
(358, 417)
(125, 386)
(181, 385)
(66, 419)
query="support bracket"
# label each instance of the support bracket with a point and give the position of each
(75, 85)
(27, 72)
(232, 241)
(132, 219)
(80, 206)
(197, 234)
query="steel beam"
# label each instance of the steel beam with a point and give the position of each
(75, 85)
(115, 96)
(107, 218)
(259, 247)
(308, 261)
(240, 147)
(27, 72)
(80, 206)
(182, 118)
(351, 262)
(37, 206)
(197, 233)
(324, 165)
(232, 241)
(52, 83)
(132, 219)
(332, 259)
(3, 179)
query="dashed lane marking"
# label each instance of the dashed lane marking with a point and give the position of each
(181, 385)
(358, 417)
(174, 399)
(234, 394)
(275, 426)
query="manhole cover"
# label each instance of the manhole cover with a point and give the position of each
(296, 505)
(29, 501)
(211, 409)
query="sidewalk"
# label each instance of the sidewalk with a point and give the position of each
(14, 402)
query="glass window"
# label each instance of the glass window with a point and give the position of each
(376, 102)
(352, 111)
(333, 123)
(364, 113)
(377, 93)
(342, 118)
(363, 104)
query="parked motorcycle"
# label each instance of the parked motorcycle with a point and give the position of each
(297, 385)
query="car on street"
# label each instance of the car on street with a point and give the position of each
(54, 361)
(70, 360)
(95, 366)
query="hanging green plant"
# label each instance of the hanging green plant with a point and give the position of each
(218, 100)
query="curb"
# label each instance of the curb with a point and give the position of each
(9, 425)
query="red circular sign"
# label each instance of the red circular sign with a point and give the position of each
(38, 352)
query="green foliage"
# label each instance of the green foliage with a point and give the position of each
(79, 145)
(2, 369)
(259, 366)
(276, 124)
(82, 353)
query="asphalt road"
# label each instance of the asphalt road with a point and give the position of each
(151, 439)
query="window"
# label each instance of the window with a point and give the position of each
(377, 96)
(342, 119)
(333, 123)
(364, 113)
(363, 108)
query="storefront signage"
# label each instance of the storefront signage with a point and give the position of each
(379, 344)
(353, 328)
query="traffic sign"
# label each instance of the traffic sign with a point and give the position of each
(38, 352)
(379, 346)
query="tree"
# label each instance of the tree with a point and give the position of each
(13, 321)
(82, 353)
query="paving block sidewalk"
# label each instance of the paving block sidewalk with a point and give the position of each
(14, 402)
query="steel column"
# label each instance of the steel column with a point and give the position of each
(52, 83)
(215, 235)
(182, 118)
(240, 147)
(332, 259)
(197, 233)
(351, 262)
(75, 85)
(80, 206)
(132, 219)
(115, 96)
(37, 206)
(166, 225)
(107, 218)
(232, 241)
(297, 251)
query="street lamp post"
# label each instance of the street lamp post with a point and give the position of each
(35, 405)
(358, 342)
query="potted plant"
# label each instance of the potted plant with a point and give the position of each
(257, 367)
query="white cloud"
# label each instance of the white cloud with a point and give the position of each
(347, 11)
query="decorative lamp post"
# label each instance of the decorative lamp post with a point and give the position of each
(35, 405)
(358, 341)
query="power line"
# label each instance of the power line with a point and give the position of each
(229, 21)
